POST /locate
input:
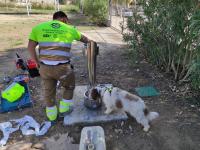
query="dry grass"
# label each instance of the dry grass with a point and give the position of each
(15, 29)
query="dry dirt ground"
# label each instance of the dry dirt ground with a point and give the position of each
(178, 127)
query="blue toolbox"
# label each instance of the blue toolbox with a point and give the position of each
(23, 101)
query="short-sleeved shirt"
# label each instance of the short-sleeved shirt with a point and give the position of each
(53, 34)
(54, 31)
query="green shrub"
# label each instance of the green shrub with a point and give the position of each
(77, 2)
(97, 10)
(42, 6)
(195, 75)
(8, 4)
(71, 8)
(34, 5)
(168, 35)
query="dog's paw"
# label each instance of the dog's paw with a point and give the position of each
(146, 129)
(108, 111)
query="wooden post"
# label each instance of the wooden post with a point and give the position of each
(81, 6)
(6, 5)
(110, 12)
(57, 6)
(135, 4)
(27, 7)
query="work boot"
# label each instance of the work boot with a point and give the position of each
(52, 113)
(66, 107)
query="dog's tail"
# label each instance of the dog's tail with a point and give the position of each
(150, 115)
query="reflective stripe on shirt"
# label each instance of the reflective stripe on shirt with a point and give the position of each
(62, 44)
(54, 57)
(55, 52)
(66, 49)
(53, 63)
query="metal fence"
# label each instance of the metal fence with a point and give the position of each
(119, 11)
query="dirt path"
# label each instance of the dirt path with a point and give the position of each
(178, 127)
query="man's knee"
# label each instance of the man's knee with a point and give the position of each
(68, 81)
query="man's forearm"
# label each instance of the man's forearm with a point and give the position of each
(31, 48)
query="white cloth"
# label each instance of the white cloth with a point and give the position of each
(28, 122)
(7, 129)
(27, 125)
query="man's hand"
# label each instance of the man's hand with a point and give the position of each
(31, 48)
(84, 39)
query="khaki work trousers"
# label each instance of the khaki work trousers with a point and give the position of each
(50, 76)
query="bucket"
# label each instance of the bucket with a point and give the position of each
(91, 103)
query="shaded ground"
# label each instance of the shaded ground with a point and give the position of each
(178, 127)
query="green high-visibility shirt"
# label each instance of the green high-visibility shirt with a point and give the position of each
(54, 31)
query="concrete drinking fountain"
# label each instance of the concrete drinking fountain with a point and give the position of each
(88, 111)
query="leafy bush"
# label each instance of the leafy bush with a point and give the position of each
(168, 35)
(7, 4)
(71, 8)
(34, 5)
(42, 6)
(77, 2)
(97, 10)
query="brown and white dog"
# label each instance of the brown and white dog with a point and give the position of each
(116, 99)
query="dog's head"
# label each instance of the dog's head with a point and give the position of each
(98, 91)
(94, 94)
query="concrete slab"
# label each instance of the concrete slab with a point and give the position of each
(82, 115)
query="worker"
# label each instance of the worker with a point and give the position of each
(54, 39)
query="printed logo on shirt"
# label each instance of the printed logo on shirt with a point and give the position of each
(46, 35)
(55, 25)
(55, 36)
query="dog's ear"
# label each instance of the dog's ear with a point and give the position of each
(95, 94)
(99, 90)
